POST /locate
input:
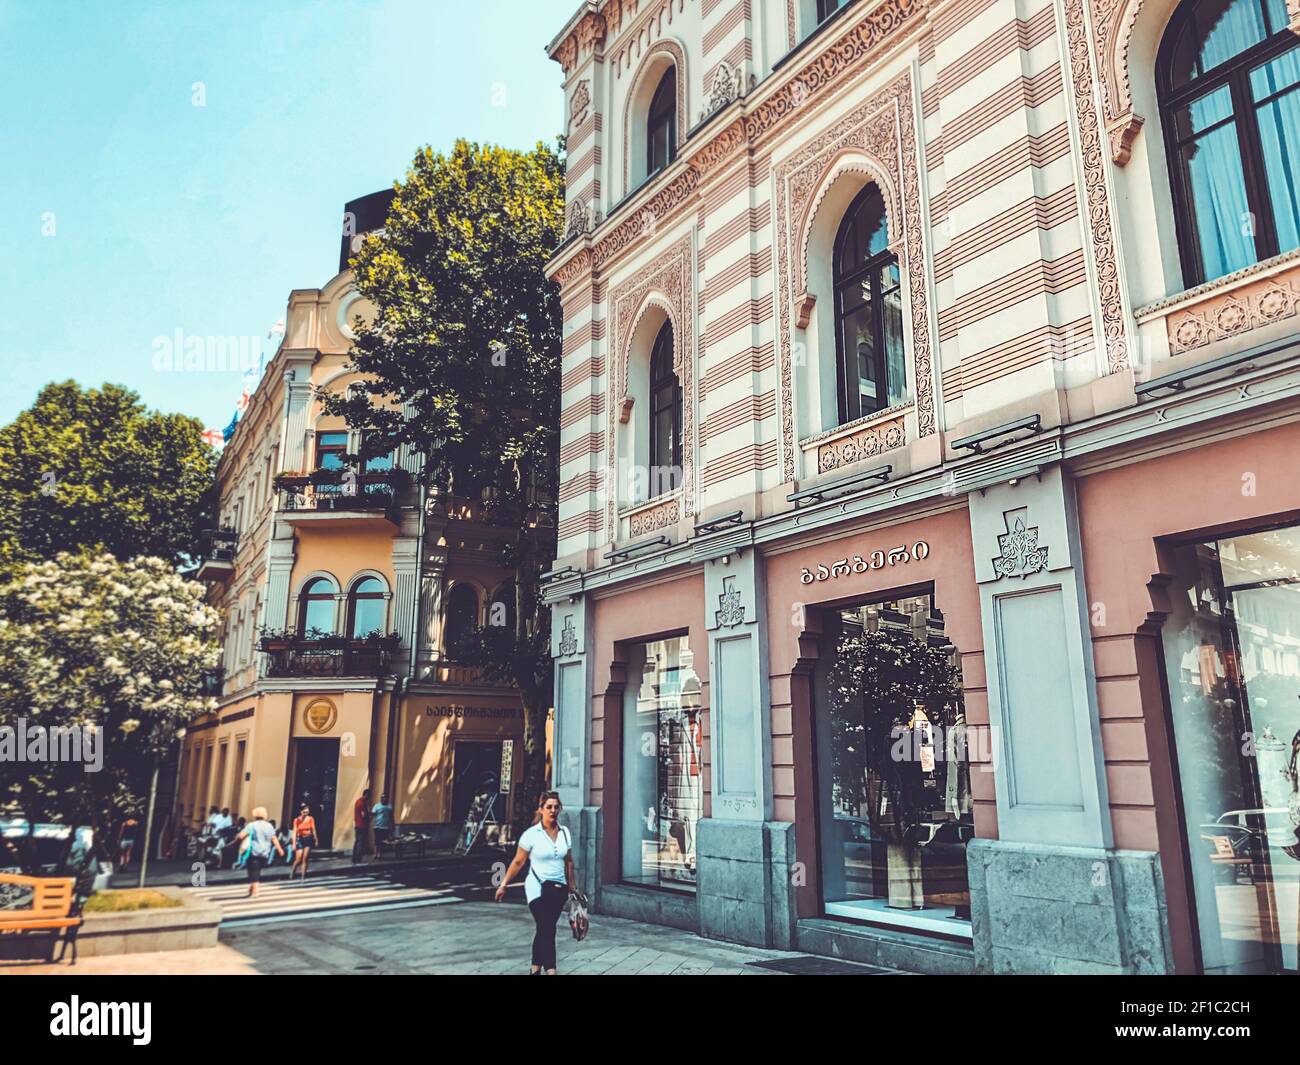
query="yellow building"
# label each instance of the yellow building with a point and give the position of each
(340, 585)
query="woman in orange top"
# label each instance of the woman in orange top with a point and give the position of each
(304, 839)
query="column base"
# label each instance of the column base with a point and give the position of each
(1041, 909)
(746, 881)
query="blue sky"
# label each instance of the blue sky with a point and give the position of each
(133, 213)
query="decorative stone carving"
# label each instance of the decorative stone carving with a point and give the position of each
(1021, 555)
(1100, 224)
(655, 518)
(865, 444)
(878, 139)
(568, 638)
(731, 609)
(580, 105)
(579, 220)
(728, 86)
(1225, 314)
(804, 305)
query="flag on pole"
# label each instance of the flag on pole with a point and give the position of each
(214, 437)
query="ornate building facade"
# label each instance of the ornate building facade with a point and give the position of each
(927, 566)
(342, 585)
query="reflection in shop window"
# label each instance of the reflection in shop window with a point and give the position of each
(894, 803)
(1232, 655)
(663, 772)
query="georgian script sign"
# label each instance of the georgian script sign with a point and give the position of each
(894, 556)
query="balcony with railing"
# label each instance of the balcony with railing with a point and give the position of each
(298, 657)
(219, 551)
(341, 496)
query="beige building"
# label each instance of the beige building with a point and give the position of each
(341, 586)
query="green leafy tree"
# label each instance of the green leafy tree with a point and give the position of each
(92, 468)
(463, 359)
(87, 641)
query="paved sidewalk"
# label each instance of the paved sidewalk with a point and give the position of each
(467, 939)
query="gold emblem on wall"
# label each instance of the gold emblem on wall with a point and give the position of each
(320, 716)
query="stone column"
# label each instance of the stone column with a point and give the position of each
(571, 744)
(1050, 894)
(743, 858)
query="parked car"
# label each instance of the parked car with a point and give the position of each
(49, 850)
(1242, 837)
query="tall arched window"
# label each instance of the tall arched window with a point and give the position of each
(1229, 82)
(462, 616)
(367, 608)
(316, 606)
(868, 311)
(665, 416)
(661, 125)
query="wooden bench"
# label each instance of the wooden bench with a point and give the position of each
(53, 899)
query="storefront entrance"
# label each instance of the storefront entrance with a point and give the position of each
(894, 797)
(476, 770)
(1232, 656)
(315, 782)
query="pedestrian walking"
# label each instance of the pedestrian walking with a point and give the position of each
(262, 841)
(361, 824)
(546, 848)
(382, 823)
(304, 839)
(126, 833)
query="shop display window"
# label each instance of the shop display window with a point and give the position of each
(1232, 657)
(894, 795)
(663, 771)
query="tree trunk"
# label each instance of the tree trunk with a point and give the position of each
(535, 782)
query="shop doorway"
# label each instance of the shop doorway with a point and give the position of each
(315, 782)
(1232, 659)
(476, 770)
(894, 803)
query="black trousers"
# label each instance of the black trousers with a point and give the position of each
(546, 909)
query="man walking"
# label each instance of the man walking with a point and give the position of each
(361, 822)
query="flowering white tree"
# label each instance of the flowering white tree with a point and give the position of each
(102, 648)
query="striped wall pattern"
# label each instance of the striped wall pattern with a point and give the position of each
(1010, 267)
(1009, 289)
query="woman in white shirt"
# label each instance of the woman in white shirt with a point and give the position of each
(546, 847)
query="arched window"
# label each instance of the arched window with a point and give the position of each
(316, 606)
(367, 608)
(665, 416)
(868, 311)
(1229, 83)
(462, 616)
(661, 125)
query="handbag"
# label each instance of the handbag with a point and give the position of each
(579, 922)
